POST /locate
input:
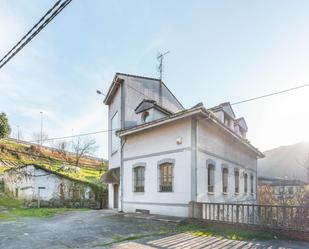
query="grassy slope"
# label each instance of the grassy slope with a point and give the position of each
(21, 154)
(11, 209)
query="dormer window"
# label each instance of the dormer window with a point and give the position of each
(145, 117)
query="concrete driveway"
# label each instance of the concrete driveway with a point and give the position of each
(98, 228)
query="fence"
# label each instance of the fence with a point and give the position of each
(271, 216)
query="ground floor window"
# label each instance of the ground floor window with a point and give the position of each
(251, 183)
(236, 181)
(225, 175)
(139, 178)
(166, 177)
(211, 178)
(245, 183)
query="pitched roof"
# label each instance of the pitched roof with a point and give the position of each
(226, 107)
(147, 104)
(117, 81)
(51, 172)
(242, 123)
(280, 181)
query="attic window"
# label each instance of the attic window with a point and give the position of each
(145, 117)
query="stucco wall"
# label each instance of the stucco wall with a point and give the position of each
(213, 144)
(214, 141)
(160, 144)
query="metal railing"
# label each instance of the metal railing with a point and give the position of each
(273, 216)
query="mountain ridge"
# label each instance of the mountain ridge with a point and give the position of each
(285, 161)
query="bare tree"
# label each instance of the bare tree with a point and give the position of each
(62, 147)
(37, 137)
(83, 148)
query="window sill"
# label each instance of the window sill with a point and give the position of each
(236, 193)
(225, 193)
(211, 193)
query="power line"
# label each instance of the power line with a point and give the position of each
(77, 135)
(235, 103)
(34, 31)
(270, 94)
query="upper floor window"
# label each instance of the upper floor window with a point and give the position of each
(166, 177)
(252, 183)
(236, 181)
(114, 128)
(225, 174)
(139, 179)
(245, 183)
(145, 117)
(211, 178)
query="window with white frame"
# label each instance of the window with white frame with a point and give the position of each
(114, 128)
(236, 172)
(166, 177)
(211, 178)
(225, 176)
(245, 183)
(252, 183)
(139, 178)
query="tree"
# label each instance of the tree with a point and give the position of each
(83, 148)
(265, 195)
(5, 129)
(37, 137)
(62, 147)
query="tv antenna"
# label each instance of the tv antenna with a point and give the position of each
(160, 58)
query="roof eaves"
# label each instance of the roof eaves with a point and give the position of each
(161, 121)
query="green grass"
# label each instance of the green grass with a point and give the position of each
(14, 209)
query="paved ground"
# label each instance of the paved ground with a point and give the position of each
(94, 229)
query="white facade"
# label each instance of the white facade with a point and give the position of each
(189, 140)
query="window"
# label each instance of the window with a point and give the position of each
(114, 128)
(291, 190)
(145, 117)
(211, 178)
(236, 181)
(225, 175)
(139, 178)
(251, 183)
(245, 183)
(166, 177)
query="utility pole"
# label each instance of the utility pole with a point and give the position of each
(41, 128)
(160, 69)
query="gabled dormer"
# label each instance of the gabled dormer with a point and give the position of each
(241, 127)
(148, 110)
(225, 114)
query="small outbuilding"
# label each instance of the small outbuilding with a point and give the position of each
(32, 183)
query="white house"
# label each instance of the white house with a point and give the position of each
(163, 156)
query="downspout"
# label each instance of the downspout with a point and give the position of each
(193, 159)
(122, 141)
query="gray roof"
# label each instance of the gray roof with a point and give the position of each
(147, 104)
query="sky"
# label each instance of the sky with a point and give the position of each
(219, 51)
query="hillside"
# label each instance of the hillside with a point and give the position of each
(285, 161)
(14, 154)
